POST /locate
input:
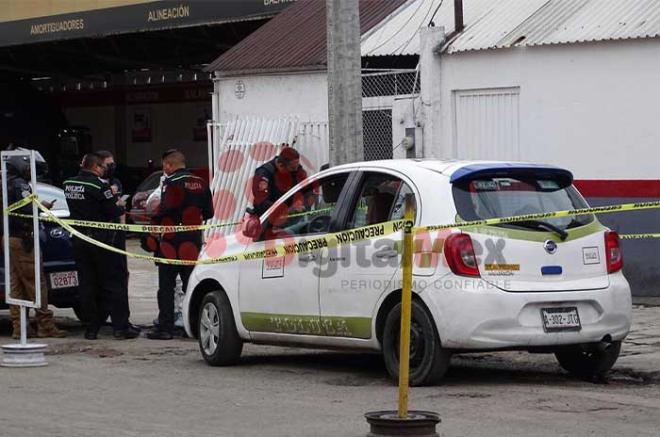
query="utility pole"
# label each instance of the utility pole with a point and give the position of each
(344, 81)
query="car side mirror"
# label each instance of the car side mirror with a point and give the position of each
(252, 227)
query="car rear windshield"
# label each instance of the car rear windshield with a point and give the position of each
(493, 197)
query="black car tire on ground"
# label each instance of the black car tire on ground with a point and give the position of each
(428, 360)
(588, 362)
(219, 341)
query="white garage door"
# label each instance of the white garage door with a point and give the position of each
(486, 124)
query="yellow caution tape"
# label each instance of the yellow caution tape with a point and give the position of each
(638, 236)
(286, 249)
(155, 229)
(545, 215)
(334, 239)
(21, 203)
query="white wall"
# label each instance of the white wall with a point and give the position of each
(590, 107)
(304, 95)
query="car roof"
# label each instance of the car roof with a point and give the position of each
(446, 167)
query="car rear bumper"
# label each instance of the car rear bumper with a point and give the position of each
(489, 318)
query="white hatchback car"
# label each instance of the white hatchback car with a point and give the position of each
(544, 286)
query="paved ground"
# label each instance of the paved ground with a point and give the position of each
(145, 388)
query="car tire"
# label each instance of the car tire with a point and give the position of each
(219, 341)
(588, 362)
(429, 361)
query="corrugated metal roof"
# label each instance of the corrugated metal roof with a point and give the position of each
(507, 23)
(295, 39)
(399, 33)
(607, 20)
(496, 24)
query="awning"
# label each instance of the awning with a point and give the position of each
(135, 18)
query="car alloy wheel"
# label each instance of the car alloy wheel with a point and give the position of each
(219, 341)
(209, 328)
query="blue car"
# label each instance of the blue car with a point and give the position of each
(57, 254)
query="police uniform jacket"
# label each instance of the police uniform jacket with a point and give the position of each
(185, 200)
(90, 198)
(269, 185)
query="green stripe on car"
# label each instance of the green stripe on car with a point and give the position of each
(355, 327)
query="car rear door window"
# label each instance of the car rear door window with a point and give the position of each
(381, 199)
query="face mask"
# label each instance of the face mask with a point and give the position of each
(110, 170)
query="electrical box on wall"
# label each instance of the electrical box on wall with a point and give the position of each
(409, 142)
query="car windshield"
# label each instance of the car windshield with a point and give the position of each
(493, 197)
(49, 193)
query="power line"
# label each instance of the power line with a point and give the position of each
(415, 32)
(435, 12)
(403, 26)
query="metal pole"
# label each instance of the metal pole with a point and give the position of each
(35, 232)
(5, 226)
(23, 310)
(22, 354)
(344, 81)
(406, 303)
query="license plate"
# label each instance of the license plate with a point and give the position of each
(560, 319)
(64, 279)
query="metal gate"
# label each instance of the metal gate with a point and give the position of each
(486, 124)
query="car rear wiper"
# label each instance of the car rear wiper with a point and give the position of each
(536, 224)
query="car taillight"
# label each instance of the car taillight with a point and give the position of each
(460, 256)
(613, 254)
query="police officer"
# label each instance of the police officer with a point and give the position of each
(185, 200)
(110, 176)
(119, 240)
(274, 178)
(100, 271)
(21, 253)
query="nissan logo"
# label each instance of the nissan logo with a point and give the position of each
(550, 246)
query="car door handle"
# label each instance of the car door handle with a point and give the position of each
(307, 257)
(387, 253)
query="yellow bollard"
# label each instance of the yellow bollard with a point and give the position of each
(406, 303)
(404, 422)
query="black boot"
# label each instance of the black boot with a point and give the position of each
(157, 334)
(92, 332)
(128, 333)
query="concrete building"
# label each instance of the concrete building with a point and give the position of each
(566, 82)
(274, 72)
(123, 75)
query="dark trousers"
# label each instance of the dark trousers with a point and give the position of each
(119, 241)
(166, 283)
(102, 284)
